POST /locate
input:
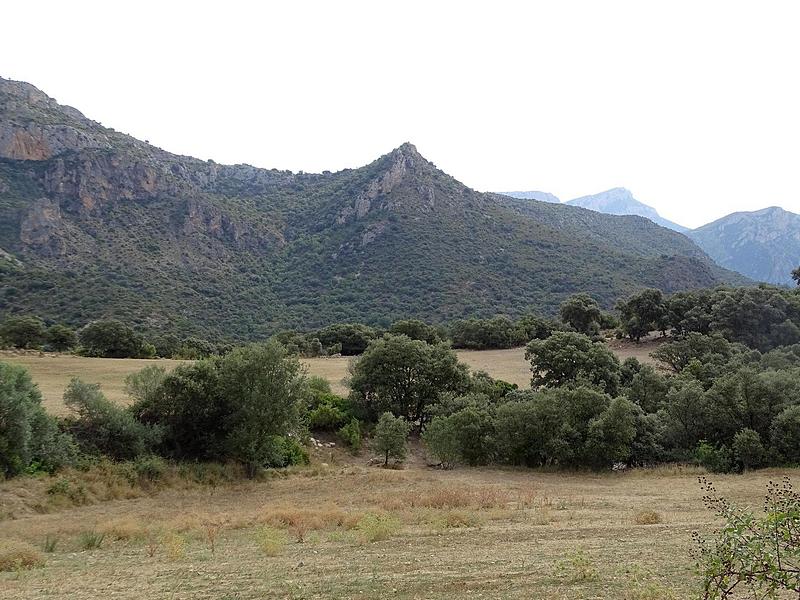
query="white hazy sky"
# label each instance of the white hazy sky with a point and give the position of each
(694, 106)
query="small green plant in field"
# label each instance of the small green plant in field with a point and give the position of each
(16, 556)
(50, 543)
(752, 554)
(576, 567)
(374, 527)
(90, 540)
(270, 540)
(63, 487)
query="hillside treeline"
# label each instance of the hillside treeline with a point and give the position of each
(728, 395)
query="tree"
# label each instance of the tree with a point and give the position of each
(389, 438)
(748, 450)
(405, 376)
(104, 428)
(642, 313)
(112, 339)
(416, 330)
(353, 338)
(568, 357)
(610, 436)
(466, 435)
(61, 338)
(145, 384)
(243, 406)
(28, 435)
(23, 332)
(796, 275)
(582, 313)
(785, 435)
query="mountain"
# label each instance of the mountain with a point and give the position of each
(94, 223)
(534, 195)
(620, 201)
(764, 245)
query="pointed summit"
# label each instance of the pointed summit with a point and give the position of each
(620, 201)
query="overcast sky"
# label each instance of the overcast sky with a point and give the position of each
(694, 106)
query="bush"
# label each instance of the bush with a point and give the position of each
(29, 437)
(23, 332)
(350, 434)
(748, 450)
(241, 406)
(103, 428)
(330, 413)
(466, 435)
(375, 527)
(15, 556)
(143, 385)
(150, 468)
(61, 338)
(716, 460)
(755, 554)
(785, 435)
(390, 436)
(113, 339)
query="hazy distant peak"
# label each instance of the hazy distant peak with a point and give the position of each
(534, 195)
(620, 201)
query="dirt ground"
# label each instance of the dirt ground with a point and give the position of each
(341, 529)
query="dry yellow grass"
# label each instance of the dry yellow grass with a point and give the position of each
(370, 533)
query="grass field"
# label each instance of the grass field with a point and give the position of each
(344, 530)
(52, 372)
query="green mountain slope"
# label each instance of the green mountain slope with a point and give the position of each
(764, 244)
(95, 223)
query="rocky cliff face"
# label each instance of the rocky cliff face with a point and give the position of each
(95, 223)
(764, 244)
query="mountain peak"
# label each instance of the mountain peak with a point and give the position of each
(620, 201)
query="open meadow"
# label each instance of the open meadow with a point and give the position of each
(340, 529)
(52, 372)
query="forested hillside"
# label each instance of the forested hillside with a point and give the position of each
(94, 223)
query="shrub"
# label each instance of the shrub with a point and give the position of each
(143, 385)
(350, 434)
(15, 556)
(29, 437)
(112, 339)
(331, 411)
(748, 450)
(23, 332)
(716, 460)
(90, 540)
(240, 406)
(50, 543)
(150, 468)
(375, 527)
(647, 517)
(103, 428)
(756, 554)
(785, 434)
(390, 437)
(60, 337)
(270, 540)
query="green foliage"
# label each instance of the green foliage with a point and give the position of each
(416, 330)
(329, 412)
(143, 385)
(404, 377)
(389, 437)
(29, 437)
(241, 406)
(752, 554)
(642, 313)
(113, 339)
(350, 338)
(23, 332)
(582, 313)
(483, 334)
(350, 434)
(568, 357)
(785, 435)
(748, 450)
(60, 337)
(103, 428)
(796, 276)
(715, 459)
(694, 346)
(466, 435)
